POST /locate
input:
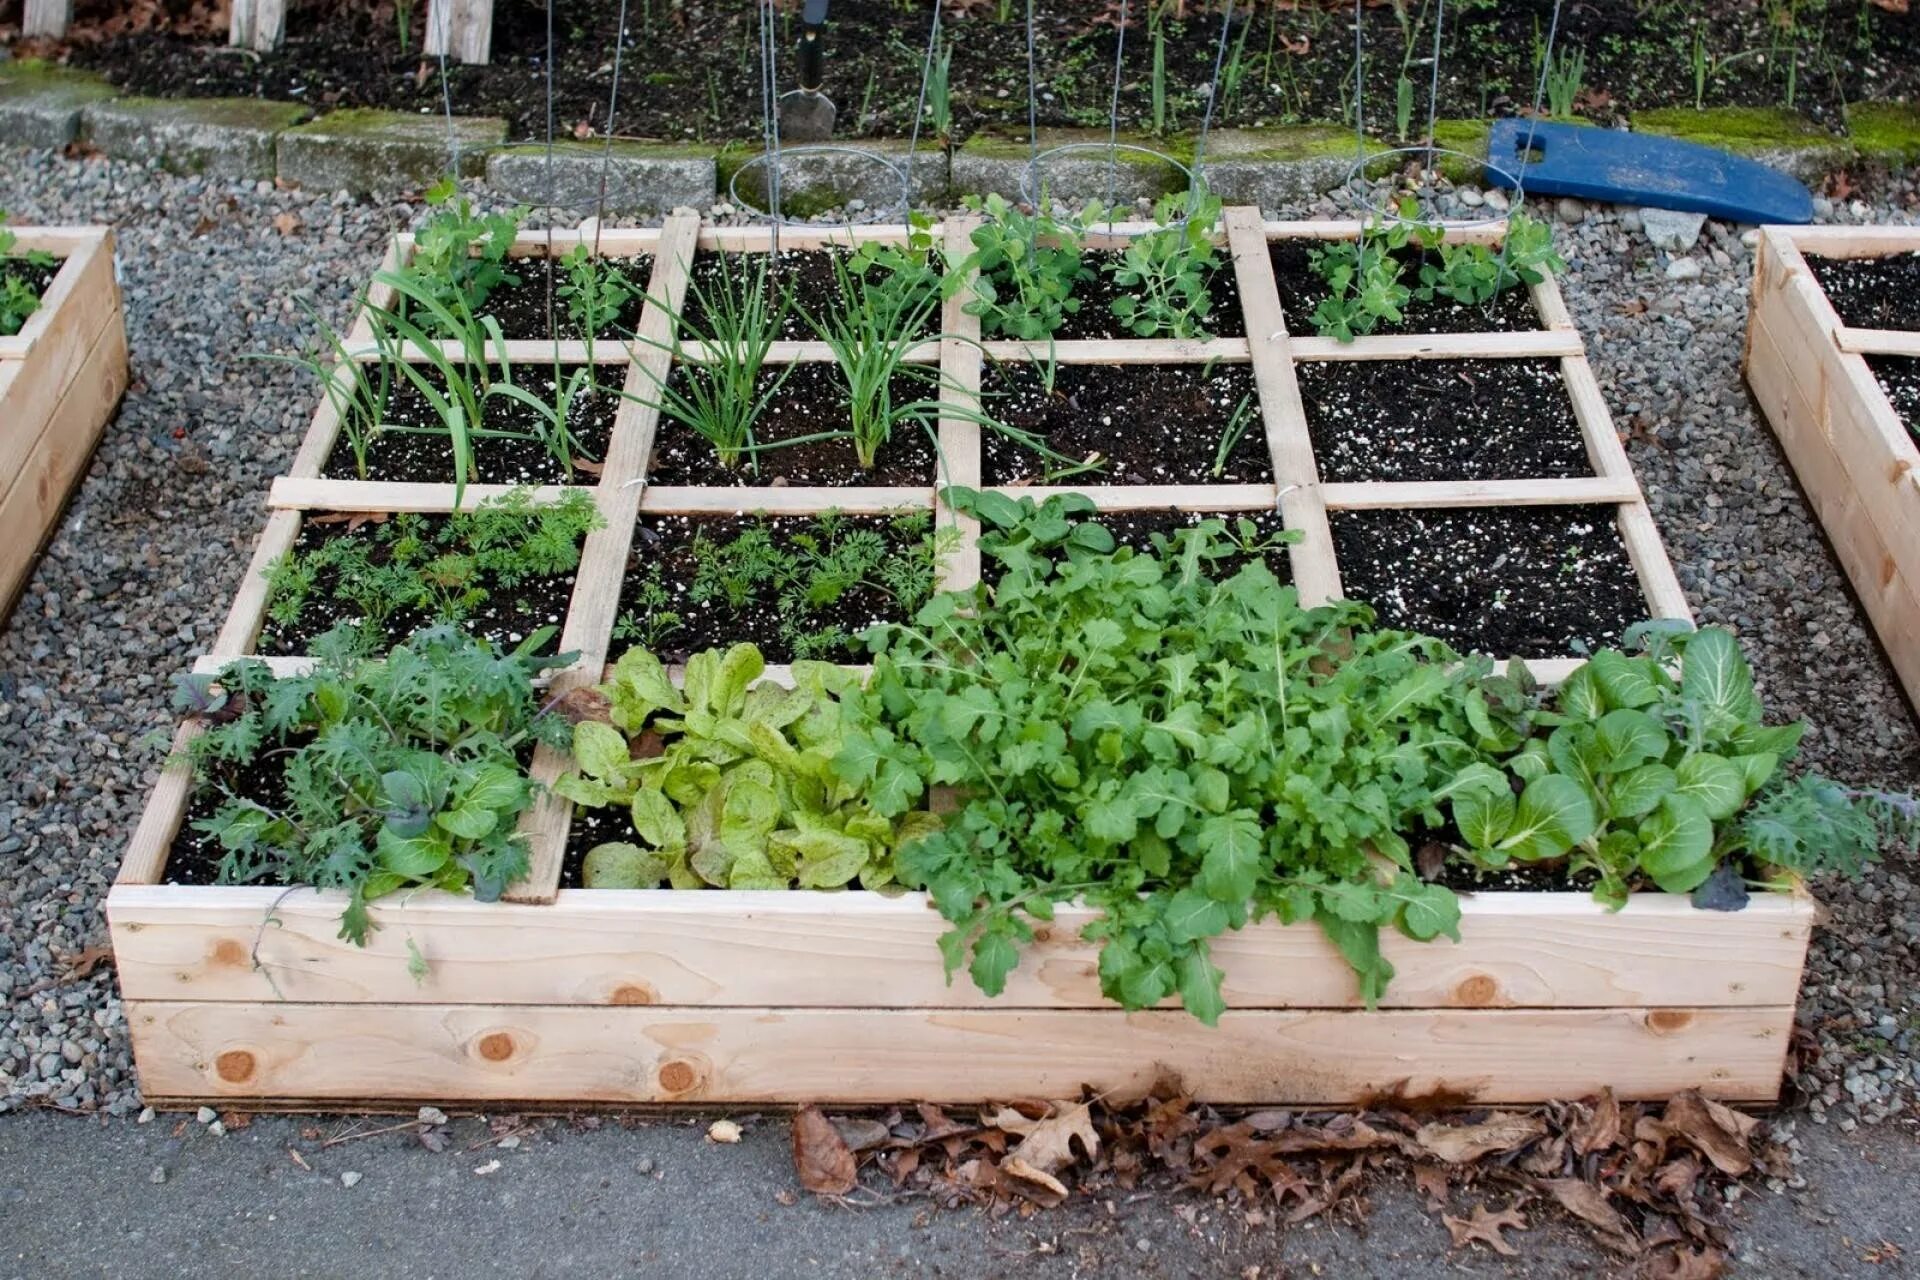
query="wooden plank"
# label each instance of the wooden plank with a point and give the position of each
(46, 19)
(1879, 342)
(1665, 597)
(1160, 497)
(80, 306)
(1122, 351)
(1849, 242)
(1549, 305)
(481, 1053)
(1376, 495)
(856, 949)
(462, 29)
(810, 352)
(1536, 343)
(259, 25)
(64, 444)
(145, 858)
(377, 296)
(314, 494)
(248, 612)
(1302, 507)
(521, 352)
(792, 236)
(1605, 453)
(83, 288)
(281, 665)
(961, 448)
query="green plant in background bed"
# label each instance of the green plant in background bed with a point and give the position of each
(907, 271)
(1027, 264)
(734, 786)
(1182, 753)
(383, 774)
(460, 255)
(719, 396)
(440, 568)
(1168, 272)
(18, 299)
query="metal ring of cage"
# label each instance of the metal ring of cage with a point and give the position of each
(1030, 174)
(1356, 183)
(901, 174)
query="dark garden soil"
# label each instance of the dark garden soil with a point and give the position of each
(812, 400)
(427, 457)
(35, 276)
(195, 855)
(1872, 293)
(1441, 420)
(592, 827)
(1525, 582)
(507, 616)
(1149, 532)
(669, 541)
(808, 273)
(1144, 424)
(689, 68)
(1302, 288)
(522, 309)
(1095, 318)
(1900, 378)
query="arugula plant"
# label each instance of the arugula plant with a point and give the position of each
(1023, 268)
(442, 569)
(382, 774)
(1170, 270)
(734, 785)
(460, 255)
(1182, 750)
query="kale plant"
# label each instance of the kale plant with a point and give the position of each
(379, 774)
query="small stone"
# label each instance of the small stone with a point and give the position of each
(1684, 269)
(1471, 197)
(491, 1166)
(432, 1115)
(145, 1117)
(725, 1131)
(509, 1143)
(1571, 210)
(351, 1179)
(159, 1174)
(206, 1115)
(644, 1165)
(1497, 199)
(1672, 230)
(218, 1129)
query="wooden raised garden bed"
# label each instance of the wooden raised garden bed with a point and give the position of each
(569, 995)
(1825, 363)
(60, 378)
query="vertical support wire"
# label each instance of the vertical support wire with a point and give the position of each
(1033, 115)
(606, 149)
(1526, 150)
(920, 104)
(552, 329)
(446, 105)
(1197, 181)
(1113, 111)
(770, 126)
(1359, 90)
(1433, 80)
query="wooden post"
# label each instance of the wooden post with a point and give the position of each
(259, 25)
(47, 18)
(461, 28)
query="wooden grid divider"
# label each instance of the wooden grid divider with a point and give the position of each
(1302, 506)
(960, 444)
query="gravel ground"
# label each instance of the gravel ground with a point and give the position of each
(135, 582)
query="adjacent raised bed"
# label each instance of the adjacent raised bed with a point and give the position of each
(614, 997)
(1819, 380)
(60, 378)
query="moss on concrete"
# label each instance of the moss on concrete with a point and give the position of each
(992, 144)
(38, 73)
(1886, 131)
(1741, 130)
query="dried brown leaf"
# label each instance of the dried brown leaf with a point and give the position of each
(1465, 1143)
(1485, 1228)
(1713, 1129)
(1589, 1204)
(578, 705)
(1046, 1143)
(1548, 1159)
(1599, 1128)
(1014, 1166)
(1685, 1264)
(1676, 1178)
(861, 1133)
(820, 1156)
(1432, 1181)
(287, 224)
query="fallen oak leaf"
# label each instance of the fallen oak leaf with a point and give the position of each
(287, 224)
(820, 1155)
(1599, 1128)
(1485, 1228)
(1466, 1143)
(861, 1133)
(1589, 1204)
(1714, 1129)
(1434, 1186)
(1015, 1167)
(1685, 1264)
(1047, 1143)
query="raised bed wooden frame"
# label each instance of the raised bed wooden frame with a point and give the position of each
(564, 996)
(1855, 458)
(60, 378)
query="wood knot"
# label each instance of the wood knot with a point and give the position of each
(1667, 1020)
(1477, 992)
(234, 1066)
(496, 1046)
(678, 1076)
(1043, 934)
(228, 951)
(632, 993)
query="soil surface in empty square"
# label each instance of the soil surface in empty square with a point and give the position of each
(522, 309)
(671, 542)
(1149, 531)
(426, 457)
(1441, 420)
(808, 273)
(811, 401)
(507, 616)
(1096, 292)
(1302, 288)
(1900, 378)
(1525, 582)
(1143, 424)
(1871, 293)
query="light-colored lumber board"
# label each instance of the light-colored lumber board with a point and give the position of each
(522, 353)
(1158, 497)
(248, 612)
(461, 29)
(259, 25)
(64, 443)
(961, 448)
(649, 357)
(1349, 228)
(281, 665)
(52, 346)
(1302, 507)
(1665, 596)
(793, 500)
(1605, 453)
(1536, 343)
(1376, 494)
(1849, 242)
(1121, 351)
(1551, 672)
(313, 494)
(82, 291)
(636, 1054)
(760, 239)
(145, 859)
(1878, 342)
(810, 352)
(1548, 303)
(46, 19)
(857, 949)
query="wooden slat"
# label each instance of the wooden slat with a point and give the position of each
(1377, 494)
(76, 298)
(475, 1053)
(759, 239)
(961, 448)
(145, 858)
(314, 494)
(377, 297)
(1160, 497)
(1605, 453)
(1122, 351)
(280, 664)
(46, 19)
(1849, 242)
(522, 353)
(1537, 343)
(1315, 573)
(1548, 304)
(811, 352)
(56, 342)
(1879, 342)
(795, 500)
(259, 25)
(248, 611)
(462, 29)
(679, 947)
